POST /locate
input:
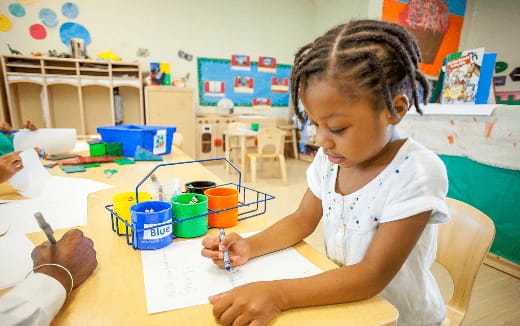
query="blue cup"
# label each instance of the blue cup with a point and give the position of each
(152, 223)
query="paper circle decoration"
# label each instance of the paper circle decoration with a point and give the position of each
(5, 23)
(74, 30)
(38, 31)
(70, 10)
(48, 17)
(17, 10)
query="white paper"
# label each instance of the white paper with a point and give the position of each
(81, 146)
(31, 180)
(178, 276)
(15, 255)
(52, 140)
(63, 203)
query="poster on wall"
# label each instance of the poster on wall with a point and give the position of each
(261, 102)
(267, 64)
(214, 88)
(280, 85)
(217, 79)
(435, 24)
(244, 84)
(240, 62)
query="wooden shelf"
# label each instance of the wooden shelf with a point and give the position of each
(70, 93)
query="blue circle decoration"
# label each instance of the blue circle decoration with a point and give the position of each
(48, 17)
(74, 30)
(17, 10)
(70, 10)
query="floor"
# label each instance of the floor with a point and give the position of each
(496, 296)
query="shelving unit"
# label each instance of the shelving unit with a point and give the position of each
(71, 93)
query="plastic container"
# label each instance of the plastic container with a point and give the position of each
(181, 209)
(156, 139)
(122, 203)
(156, 217)
(199, 186)
(114, 149)
(222, 198)
(97, 149)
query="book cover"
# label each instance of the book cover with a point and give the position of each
(462, 76)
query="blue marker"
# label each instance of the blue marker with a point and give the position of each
(227, 262)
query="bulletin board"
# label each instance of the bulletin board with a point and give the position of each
(220, 72)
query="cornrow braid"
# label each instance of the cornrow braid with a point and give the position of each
(364, 55)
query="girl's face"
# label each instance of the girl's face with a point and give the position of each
(351, 133)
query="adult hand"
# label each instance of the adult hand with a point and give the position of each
(251, 304)
(5, 127)
(73, 251)
(239, 251)
(9, 165)
(30, 125)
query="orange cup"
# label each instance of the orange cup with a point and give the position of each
(222, 198)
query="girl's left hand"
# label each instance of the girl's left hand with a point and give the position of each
(253, 304)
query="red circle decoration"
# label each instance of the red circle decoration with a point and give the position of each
(38, 31)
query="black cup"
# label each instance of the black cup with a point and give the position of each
(199, 186)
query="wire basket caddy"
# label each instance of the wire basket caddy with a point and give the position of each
(251, 203)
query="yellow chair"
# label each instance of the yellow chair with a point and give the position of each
(462, 245)
(270, 145)
(232, 143)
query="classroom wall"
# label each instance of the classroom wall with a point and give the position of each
(329, 13)
(494, 25)
(204, 28)
(209, 28)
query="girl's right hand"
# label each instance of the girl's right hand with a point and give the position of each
(239, 250)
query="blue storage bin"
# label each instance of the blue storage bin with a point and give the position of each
(156, 139)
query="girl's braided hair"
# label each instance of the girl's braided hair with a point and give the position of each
(370, 57)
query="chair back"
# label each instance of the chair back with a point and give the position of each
(270, 141)
(462, 245)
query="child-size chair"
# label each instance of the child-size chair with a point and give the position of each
(462, 245)
(270, 145)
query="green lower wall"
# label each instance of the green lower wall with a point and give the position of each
(494, 191)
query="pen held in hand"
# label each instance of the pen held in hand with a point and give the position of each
(227, 262)
(46, 228)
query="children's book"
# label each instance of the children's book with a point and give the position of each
(461, 80)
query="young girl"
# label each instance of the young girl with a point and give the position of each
(379, 196)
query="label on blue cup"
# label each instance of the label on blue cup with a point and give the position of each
(157, 233)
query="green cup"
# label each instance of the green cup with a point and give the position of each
(255, 126)
(182, 208)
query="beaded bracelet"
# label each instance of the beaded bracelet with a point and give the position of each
(57, 265)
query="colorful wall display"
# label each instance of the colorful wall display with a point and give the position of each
(48, 17)
(70, 10)
(74, 30)
(5, 23)
(218, 79)
(436, 24)
(38, 31)
(17, 10)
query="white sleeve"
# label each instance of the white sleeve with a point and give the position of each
(35, 301)
(420, 185)
(316, 172)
